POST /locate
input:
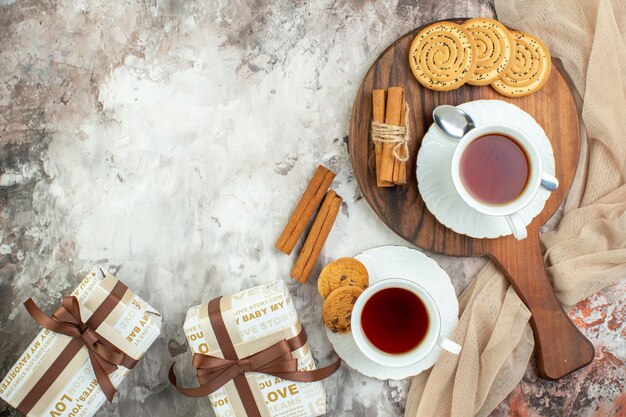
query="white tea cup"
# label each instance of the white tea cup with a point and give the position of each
(536, 176)
(432, 336)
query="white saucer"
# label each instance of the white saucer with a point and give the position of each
(435, 181)
(401, 262)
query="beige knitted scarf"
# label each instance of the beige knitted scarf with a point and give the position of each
(585, 253)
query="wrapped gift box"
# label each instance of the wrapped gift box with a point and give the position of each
(48, 381)
(256, 319)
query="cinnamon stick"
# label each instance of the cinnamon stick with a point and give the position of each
(308, 203)
(379, 98)
(399, 170)
(395, 96)
(318, 234)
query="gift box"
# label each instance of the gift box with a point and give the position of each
(252, 356)
(84, 351)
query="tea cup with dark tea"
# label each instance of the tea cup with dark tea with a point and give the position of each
(396, 323)
(497, 170)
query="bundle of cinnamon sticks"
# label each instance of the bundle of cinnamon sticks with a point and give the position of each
(389, 108)
(322, 225)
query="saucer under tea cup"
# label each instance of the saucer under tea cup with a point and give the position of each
(410, 264)
(436, 185)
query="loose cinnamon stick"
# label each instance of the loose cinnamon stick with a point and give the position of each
(395, 96)
(308, 203)
(318, 234)
(379, 98)
(399, 169)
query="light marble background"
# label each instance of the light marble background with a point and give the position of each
(171, 140)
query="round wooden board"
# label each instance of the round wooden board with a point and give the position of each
(561, 348)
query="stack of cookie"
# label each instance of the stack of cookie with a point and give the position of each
(481, 51)
(340, 284)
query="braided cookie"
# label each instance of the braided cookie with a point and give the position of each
(442, 56)
(494, 49)
(530, 69)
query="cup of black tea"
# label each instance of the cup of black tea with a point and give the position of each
(497, 170)
(396, 323)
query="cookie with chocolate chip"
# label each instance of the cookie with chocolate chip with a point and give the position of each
(344, 272)
(337, 308)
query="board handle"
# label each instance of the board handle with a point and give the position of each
(560, 347)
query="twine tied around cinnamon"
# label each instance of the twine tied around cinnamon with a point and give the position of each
(399, 135)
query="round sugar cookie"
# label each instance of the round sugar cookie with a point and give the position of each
(342, 273)
(442, 56)
(530, 70)
(494, 49)
(337, 308)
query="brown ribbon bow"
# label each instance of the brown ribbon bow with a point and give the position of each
(214, 372)
(104, 356)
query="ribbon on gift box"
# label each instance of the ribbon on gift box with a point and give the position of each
(104, 356)
(106, 349)
(214, 372)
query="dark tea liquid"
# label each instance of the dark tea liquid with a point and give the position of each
(394, 320)
(494, 169)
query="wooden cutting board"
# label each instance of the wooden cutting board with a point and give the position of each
(560, 347)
